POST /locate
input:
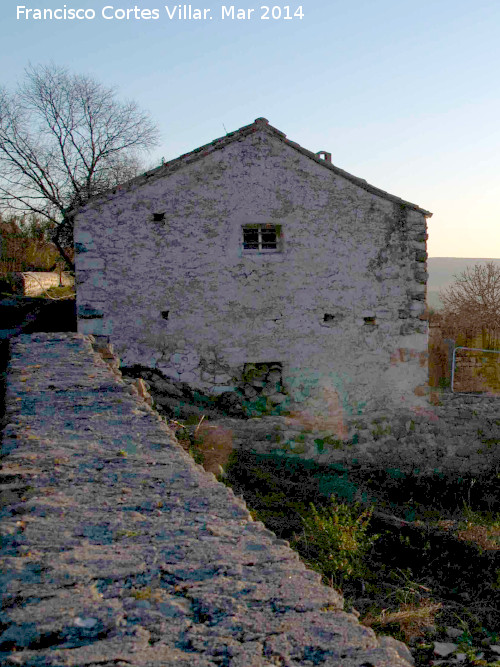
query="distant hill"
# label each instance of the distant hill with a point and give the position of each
(441, 274)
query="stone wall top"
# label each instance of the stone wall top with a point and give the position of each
(118, 549)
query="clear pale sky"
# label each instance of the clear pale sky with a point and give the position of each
(405, 94)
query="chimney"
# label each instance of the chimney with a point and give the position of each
(323, 155)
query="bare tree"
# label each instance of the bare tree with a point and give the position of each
(64, 138)
(472, 303)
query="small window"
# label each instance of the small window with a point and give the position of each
(262, 238)
(165, 314)
(328, 317)
(370, 320)
(158, 217)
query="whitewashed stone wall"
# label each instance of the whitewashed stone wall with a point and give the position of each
(180, 294)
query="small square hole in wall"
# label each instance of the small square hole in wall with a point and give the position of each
(327, 317)
(370, 320)
(158, 217)
(164, 314)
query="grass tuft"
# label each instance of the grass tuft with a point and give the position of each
(411, 618)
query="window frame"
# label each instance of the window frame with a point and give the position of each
(260, 228)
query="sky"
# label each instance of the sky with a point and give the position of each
(404, 94)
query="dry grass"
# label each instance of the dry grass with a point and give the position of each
(411, 617)
(487, 537)
(215, 443)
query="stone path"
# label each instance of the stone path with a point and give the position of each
(117, 549)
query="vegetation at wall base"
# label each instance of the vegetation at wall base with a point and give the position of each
(411, 579)
(59, 293)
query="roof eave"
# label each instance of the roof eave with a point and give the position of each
(260, 124)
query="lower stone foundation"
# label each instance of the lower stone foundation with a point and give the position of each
(460, 436)
(461, 433)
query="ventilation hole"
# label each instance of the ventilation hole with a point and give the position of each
(164, 314)
(158, 217)
(369, 320)
(328, 318)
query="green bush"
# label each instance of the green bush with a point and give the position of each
(335, 539)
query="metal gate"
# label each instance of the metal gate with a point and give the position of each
(478, 373)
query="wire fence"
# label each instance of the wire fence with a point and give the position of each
(475, 369)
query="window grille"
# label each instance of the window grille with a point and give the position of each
(261, 237)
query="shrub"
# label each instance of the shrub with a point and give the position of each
(335, 539)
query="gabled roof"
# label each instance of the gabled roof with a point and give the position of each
(259, 125)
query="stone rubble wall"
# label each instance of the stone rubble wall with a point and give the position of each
(34, 283)
(117, 549)
(454, 433)
(460, 436)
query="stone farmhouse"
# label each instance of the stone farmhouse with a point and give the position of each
(254, 265)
